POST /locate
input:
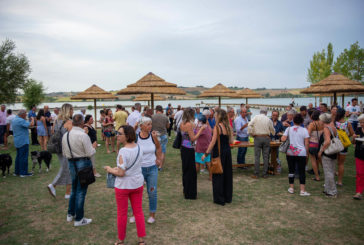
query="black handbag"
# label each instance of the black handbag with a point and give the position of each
(178, 140)
(85, 175)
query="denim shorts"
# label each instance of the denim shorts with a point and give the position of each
(198, 157)
(163, 140)
(109, 134)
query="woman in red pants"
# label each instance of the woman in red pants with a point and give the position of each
(128, 183)
(359, 158)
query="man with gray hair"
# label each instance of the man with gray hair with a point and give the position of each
(77, 148)
(260, 127)
(21, 143)
(134, 117)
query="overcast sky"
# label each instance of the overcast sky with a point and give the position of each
(73, 44)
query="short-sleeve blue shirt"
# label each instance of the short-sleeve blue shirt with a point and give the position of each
(20, 131)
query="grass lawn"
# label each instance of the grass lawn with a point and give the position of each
(262, 211)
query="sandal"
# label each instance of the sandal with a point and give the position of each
(143, 242)
(314, 179)
(119, 243)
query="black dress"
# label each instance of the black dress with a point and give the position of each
(92, 133)
(222, 184)
(189, 175)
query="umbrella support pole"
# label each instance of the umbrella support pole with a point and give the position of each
(95, 114)
(246, 101)
(335, 99)
(152, 101)
(342, 101)
(219, 102)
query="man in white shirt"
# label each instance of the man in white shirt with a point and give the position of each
(77, 148)
(354, 113)
(260, 128)
(9, 128)
(178, 117)
(134, 117)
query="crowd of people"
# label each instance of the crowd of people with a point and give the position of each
(204, 134)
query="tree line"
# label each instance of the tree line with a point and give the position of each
(349, 63)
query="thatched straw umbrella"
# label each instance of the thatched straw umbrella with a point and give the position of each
(147, 97)
(248, 93)
(219, 91)
(94, 92)
(151, 84)
(335, 84)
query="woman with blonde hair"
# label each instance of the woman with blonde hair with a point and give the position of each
(64, 124)
(222, 184)
(189, 175)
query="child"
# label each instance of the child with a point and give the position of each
(202, 143)
(102, 119)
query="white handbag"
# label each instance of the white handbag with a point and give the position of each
(335, 146)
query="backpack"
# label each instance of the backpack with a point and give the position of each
(343, 137)
(54, 144)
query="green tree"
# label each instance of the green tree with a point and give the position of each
(33, 93)
(350, 62)
(321, 65)
(14, 71)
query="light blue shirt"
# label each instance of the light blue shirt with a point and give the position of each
(240, 122)
(20, 131)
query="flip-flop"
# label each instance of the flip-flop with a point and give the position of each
(314, 179)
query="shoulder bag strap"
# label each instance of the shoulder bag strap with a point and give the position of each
(218, 138)
(134, 160)
(69, 146)
(317, 132)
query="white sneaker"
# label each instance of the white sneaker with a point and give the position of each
(52, 190)
(291, 190)
(151, 220)
(304, 194)
(67, 196)
(83, 222)
(97, 175)
(69, 218)
(132, 220)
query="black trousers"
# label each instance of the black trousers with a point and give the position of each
(222, 184)
(189, 175)
(300, 162)
(34, 136)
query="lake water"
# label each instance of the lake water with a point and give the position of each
(192, 103)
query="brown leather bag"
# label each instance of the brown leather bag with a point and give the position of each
(216, 167)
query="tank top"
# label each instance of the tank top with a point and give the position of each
(186, 142)
(342, 126)
(148, 147)
(315, 134)
(91, 133)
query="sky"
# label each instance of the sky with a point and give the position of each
(73, 44)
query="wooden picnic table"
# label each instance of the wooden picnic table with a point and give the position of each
(274, 145)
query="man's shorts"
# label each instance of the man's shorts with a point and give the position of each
(198, 157)
(163, 140)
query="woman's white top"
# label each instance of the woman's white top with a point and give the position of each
(148, 147)
(297, 136)
(133, 177)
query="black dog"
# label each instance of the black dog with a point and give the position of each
(5, 162)
(37, 157)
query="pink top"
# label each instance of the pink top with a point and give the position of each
(203, 140)
(2, 117)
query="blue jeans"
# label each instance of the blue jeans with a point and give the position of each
(78, 193)
(21, 160)
(151, 177)
(354, 124)
(163, 140)
(242, 150)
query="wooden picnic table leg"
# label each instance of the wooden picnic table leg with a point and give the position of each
(273, 159)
